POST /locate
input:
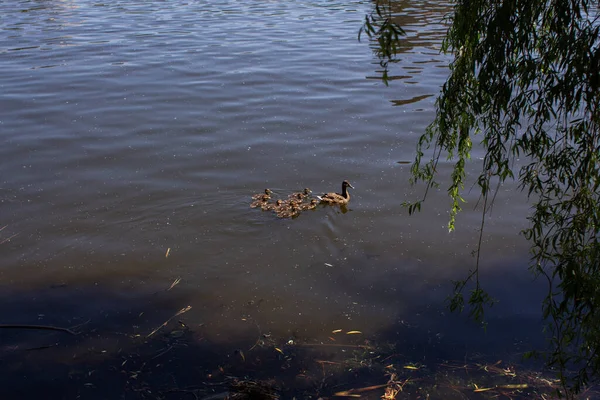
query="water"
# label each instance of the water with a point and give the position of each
(133, 127)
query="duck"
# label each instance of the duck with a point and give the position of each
(309, 206)
(337, 198)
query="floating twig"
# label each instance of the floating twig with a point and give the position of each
(183, 310)
(359, 346)
(175, 282)
(353, 392)
(8, 238)
(42, 327)
(163, 352)
(41, 347)
(80, 325)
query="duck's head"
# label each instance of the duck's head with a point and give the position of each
(307, 191)
(268, 192)
(347, 184)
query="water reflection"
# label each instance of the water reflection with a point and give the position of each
(424, 28)
(409, 101)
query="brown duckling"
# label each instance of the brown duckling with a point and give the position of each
(265, 196)
(272, 206)
(309, 206)
(258, 203)
(260, 199)
(300, 195)
(337, 198)
(289, 211)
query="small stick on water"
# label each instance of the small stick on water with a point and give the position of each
(43, 327)
(8, 238)
(41, 347)
(259, 335)
(352, 392)
(175, 282)
(81, 324)
(162, 352)
(183, 310)
(358, 346)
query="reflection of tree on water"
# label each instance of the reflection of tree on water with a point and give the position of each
(395, 27)
(380, 27)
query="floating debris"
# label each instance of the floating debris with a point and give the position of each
(175, 282)
(183, 310)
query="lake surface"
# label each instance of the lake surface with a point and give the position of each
(132, 127)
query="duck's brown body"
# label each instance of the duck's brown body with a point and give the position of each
(337, 198)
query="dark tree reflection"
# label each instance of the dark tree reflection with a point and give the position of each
(384, 33)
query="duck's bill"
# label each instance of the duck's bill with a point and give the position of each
(350, 185)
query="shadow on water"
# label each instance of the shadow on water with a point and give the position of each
(430, 353)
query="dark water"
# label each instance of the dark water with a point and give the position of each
(133, 127)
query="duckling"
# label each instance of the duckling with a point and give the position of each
(292, 204)
(309, 206)
(272, 206)
(258, 203)
(261, 198)
(265, 196)
(296, 196)
(289, 211)
(300, 195)
(336, 198)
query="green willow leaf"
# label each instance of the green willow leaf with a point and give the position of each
(526, 77)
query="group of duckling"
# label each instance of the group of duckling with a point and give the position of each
(298, 201)
(288, 208)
